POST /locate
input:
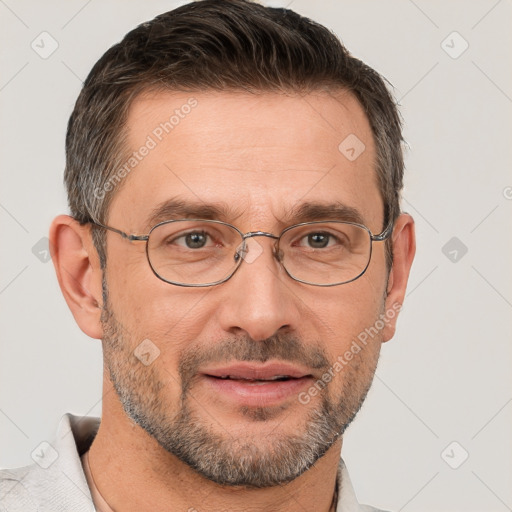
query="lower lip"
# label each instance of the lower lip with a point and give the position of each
(259, 393)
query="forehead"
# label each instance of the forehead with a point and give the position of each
(255, 157)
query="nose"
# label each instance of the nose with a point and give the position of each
(259, 299)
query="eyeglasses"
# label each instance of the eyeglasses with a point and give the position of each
(198, 252)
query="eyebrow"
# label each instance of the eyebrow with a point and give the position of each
(179, 209)
(312, 211)
(305, 212)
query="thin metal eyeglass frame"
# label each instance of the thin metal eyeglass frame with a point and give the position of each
(381, 237)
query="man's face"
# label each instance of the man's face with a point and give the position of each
(258, 159)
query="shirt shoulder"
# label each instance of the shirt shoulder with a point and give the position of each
(14, 495)
(55, 482)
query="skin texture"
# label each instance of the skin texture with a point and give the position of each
(259, 156)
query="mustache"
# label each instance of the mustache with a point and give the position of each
(284, 347)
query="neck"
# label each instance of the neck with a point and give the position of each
(134, 473)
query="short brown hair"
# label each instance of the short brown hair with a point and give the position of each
(217, 45)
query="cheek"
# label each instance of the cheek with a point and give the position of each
(341, 316)
(149, 309)
(353, 341)
(348, 311)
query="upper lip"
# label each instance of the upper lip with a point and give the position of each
(254, 371)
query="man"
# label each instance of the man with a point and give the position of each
(236, 243)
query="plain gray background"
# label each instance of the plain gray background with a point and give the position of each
(445, 377)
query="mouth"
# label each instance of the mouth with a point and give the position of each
(274, 378)
(259, 385)
(268, 372)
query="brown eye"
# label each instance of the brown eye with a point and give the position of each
(195, 240)
(318, 240)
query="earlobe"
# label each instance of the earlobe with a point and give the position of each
(78, 271)
(404, 248)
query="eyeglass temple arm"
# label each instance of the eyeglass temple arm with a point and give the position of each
(385, 234)
(132, 238)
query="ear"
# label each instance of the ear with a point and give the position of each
(78, 271)
(404, 248)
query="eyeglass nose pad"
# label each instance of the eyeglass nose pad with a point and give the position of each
(240, 251)
(249, 253)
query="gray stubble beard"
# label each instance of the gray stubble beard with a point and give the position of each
(224, 459)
